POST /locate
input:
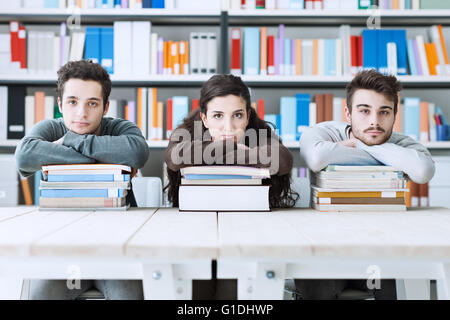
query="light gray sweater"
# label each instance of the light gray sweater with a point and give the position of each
(120, 142)
(319, 148)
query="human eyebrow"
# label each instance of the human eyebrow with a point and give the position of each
(93, 98)
(386, 107)
(363, 106)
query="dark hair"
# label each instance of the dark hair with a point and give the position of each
(84, 70)
(280, 193)
(388, 86)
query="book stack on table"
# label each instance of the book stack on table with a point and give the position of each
(85, 186)
(224, 188)
(359, 188)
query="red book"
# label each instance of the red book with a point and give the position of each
(261, 108)
(22, 38)
(354, 54)
(14, 31)
(236, 51)
(260, 4)
(195, 104)
(169, 118)
(360, 51)
(270, 55)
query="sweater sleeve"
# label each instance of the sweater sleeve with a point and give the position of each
(122, 144)
(36, 149)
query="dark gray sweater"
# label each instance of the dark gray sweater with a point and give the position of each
(120, 142)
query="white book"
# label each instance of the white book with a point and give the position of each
(77, 45)
(203, 53)
(227, 170)
(312, 113)
(71, 3)
(271, 4)
(283, 4)
(331, 4)
(29, 113)
(91, 4)
(33, 4)
(49, 105)
(62, 4)
(432, 123)
(56, 53)
(141, 47)
(358, 207)
(113, 110)
(338, 57)
(150, 130)
(344, 33)
(441, 67)
(422, 55)
(250, 5)
(223, 198)
(32, 51)
(194, 43)
(11, 4)
(42, 52)
(307, 51)
(392, 58)
(337, 109)
(3, 112)
(123, 47)
(100, 168)
(321, 57)
(169, 4)
(174, 53)
(131, 4)
(154, 54)
(182, 52)
(144, 116)
(160, 53)
(49, 43)
(401, 4)
(236, 4)
(415, 4)
(212, 53)
(66, 49)
(5, 52)
(349, 5)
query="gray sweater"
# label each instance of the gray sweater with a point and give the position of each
(319, 148)
(120, 142)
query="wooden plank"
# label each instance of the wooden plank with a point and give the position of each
(171, 234)
(102, 233)
(417, 233)
(262, 235)
(11, 212)
(17, 234)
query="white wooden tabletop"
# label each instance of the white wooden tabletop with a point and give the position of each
(300, 233)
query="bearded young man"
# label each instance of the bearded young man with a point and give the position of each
(367, 139)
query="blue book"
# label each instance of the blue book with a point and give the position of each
(105, 4)
(303, 101)
(287, 56)
(384, 37)
(288, 110)
(399, 37)
(107, 49)
(117, 4)
(82, 193)
(158, 4)
(412, 117)
(370, 43)
(330, 57)
(251, 51)
(98, 4)
(37, 183)
(180, 109)
(110, 4)
(92, 44)
(408, 4)
(411, 58)
(87, 177)
(51, 3)
(274, 121)
(215, 176)
(146, 3)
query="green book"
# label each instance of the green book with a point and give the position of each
(364, 4)
(434, 4)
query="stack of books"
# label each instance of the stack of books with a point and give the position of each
(224, 188)
(359, 188)
(85, 186)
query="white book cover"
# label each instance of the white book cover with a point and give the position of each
(91, 4)
(141, 47)
(349, 5)
(174, 52)
(50, 43)
(169, 4)
(32, 4)
(62, 4)
(422, 55)
(227, 170)
(91, 168)
(29, 113)
(85, 4)
(79, 52)
(41, 52)
(49, 105)
(392, 58)
(3, 112)
(307, 50)
(337, 109)
(331, 4)
(194, 43)
(183, 52)
(236, 4)
(56, 53)
(73, 46)
(344, 33)
(321, 57)
(32, 52)
(154, 54)
(113, 110)
(150, 130)
(122, 47)
(66, 49)
(435, 38)
(131, 4)
(203, 52)
(144, 116)
(415, 4)
(250, 5)
(11, 4)
(212, 53)
(312, 113)
(401, 4)
(5, 52)
(198, 5)
(283, 4)
(338, 57)
(432, 123)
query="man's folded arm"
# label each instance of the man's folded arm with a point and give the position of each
(318, 150)
(410, 157)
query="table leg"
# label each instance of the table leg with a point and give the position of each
(10, 288)
(269, 282)
(443, 283)
(158, 282)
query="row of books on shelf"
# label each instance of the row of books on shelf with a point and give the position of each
(421, 120)
(256, 52)
(232, 4)
(127, 48)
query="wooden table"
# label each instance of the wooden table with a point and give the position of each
(264, 249)
(160, 246)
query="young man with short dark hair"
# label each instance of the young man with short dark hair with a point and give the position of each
(85, 136)
(367, 139)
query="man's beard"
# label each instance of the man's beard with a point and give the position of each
(370, 142)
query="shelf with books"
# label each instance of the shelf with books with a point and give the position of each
(163, 16)
(436, 145)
